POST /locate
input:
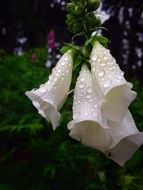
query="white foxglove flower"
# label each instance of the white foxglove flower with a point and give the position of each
(88, 125)
(125, 139)
(50, 97)
(116, 91)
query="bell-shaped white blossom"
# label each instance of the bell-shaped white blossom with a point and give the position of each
(116, 91)
(88, 125)
(50, 97)
(125, 139)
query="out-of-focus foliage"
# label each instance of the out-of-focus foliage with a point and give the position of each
(33, 157)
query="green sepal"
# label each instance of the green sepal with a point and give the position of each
(102, 40)
(70, 17)
(76, 9)
(77, 28)
(64, 49)
(93, 5)
(92, 21)
(73, 46)
(87, 50)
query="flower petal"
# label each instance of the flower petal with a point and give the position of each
(86, 104)
(125, 140)
(90, 134)
(117, 93)
(50, 97)
(88, 123)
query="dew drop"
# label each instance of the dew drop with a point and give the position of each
(43, 89)
(81, 86)
(57, 74)
(95, 105)
(102, 64)
(36, 104)
(62, 63)
(101, 73)
(89, 90)
(93, 69)
(59, 70)
(88, 96)
(50, 77)
(55, 79)
(106, 84)
(82, 79)
(122, 73)
(67, 71)
(105, 58)
(86, 113)
(94, 58)
(66, 58)
(94, 114)
(119, 77)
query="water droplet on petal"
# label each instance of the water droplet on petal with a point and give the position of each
(55, 79)
(122, 73)
(88, 96)
(119, 76)
(86, 113)
(106, 84)
(66, 58)
(89, 90)
(94, 114)
(50, 77)
(82, 79)
(101, 73)
(57, 74)
(81, 86)
(94, 58)
(43, 89)
(95, 106)
(59, 70)
(93, 69)
(63, 63)
(36, 104)
(102, 64)
(105, 58)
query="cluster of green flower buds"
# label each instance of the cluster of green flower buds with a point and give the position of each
(81, 17)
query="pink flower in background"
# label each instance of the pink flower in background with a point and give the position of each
(51, 40)
(34, 57)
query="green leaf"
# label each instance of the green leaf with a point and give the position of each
(93, 5)
(73, 46)
(64, 49)
(103, 40)
(86, 51)
(77, 28)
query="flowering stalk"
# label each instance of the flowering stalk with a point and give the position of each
(102, 95)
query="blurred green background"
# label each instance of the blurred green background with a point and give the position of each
(32, 156)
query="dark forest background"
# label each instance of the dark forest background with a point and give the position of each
(32, 156)
(33, 19)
